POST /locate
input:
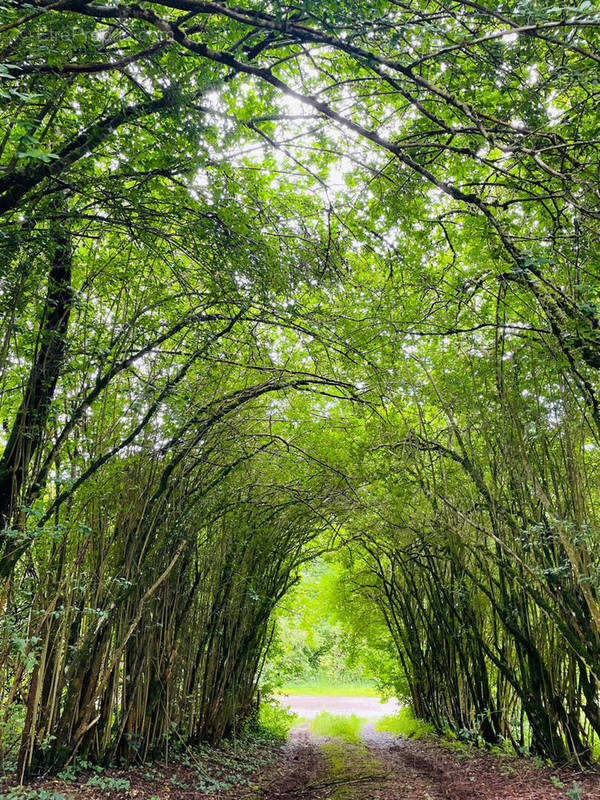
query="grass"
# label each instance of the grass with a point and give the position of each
(347, 762)
(404, 723)
(324, 687)
(347, 728)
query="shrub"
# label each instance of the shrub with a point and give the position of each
(404, 723)
(275, 719)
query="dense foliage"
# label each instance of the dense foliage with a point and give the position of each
(320, 644)
(281, 275)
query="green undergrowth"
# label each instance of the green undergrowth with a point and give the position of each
(347, 728)
(404, 723)
(324, 687)
(275, 719)
(25, 793)
(202, 769)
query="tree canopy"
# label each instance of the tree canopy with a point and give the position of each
(278, 278)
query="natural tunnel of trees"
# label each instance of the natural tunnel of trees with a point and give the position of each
(285, 278)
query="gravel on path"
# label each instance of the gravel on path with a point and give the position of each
(309, 706)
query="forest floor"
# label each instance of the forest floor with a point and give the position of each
(381, 766)
(378, 766)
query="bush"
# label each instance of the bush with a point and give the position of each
(275, 719)
(404, 723)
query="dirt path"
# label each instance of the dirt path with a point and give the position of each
(383, 767)
(378, 766)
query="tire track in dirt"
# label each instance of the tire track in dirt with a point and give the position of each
(385, 767)
(296, 772)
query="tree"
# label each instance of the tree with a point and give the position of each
(226, 228)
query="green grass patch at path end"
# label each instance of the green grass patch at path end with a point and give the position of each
(324, 688)
(347, 728)
(404, 723)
